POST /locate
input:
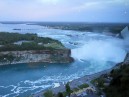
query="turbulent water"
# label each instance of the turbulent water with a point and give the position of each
(93, 52)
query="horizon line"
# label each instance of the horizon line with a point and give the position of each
(65, 22)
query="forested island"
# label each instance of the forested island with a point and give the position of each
(16, 41)
(26, 48)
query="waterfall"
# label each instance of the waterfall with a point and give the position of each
(111, 49)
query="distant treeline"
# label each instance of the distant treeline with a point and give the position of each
(88, 27)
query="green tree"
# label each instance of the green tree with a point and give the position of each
(68, 89)
(48, 93)
(60, 94)
(119, 85)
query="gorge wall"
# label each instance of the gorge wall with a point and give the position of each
(36, 56)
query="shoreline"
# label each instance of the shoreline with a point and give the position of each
(74, 83)
(82, 80)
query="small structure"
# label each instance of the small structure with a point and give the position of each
(40, 43)
(22, 41)
(125, 33)
(1, 45)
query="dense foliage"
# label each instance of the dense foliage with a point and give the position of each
(9, 57)
(67, 93)
(8, 42)
(8, 38)
(68, 89)
(119, 86)
(60, 94)
(48, 94)
(83, 86)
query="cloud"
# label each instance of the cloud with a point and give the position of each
(100, 4)
(50, 1)
(62, 10)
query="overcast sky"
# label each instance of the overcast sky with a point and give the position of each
(65, 10)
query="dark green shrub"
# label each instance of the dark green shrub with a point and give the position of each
(83, 86)
(48, 93)
(68, 89)
(60, 94)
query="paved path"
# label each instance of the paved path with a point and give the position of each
(75, 83)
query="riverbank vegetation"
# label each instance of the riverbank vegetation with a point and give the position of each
(68, 91)
(116, 83)
(8, 57)
(119, 85)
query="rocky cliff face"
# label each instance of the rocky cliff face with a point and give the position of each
(34, 56)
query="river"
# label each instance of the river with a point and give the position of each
(93, 52)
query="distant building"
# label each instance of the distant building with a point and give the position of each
(22, 41)
(125, 33)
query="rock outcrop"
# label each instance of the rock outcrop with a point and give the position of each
(36, 56)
